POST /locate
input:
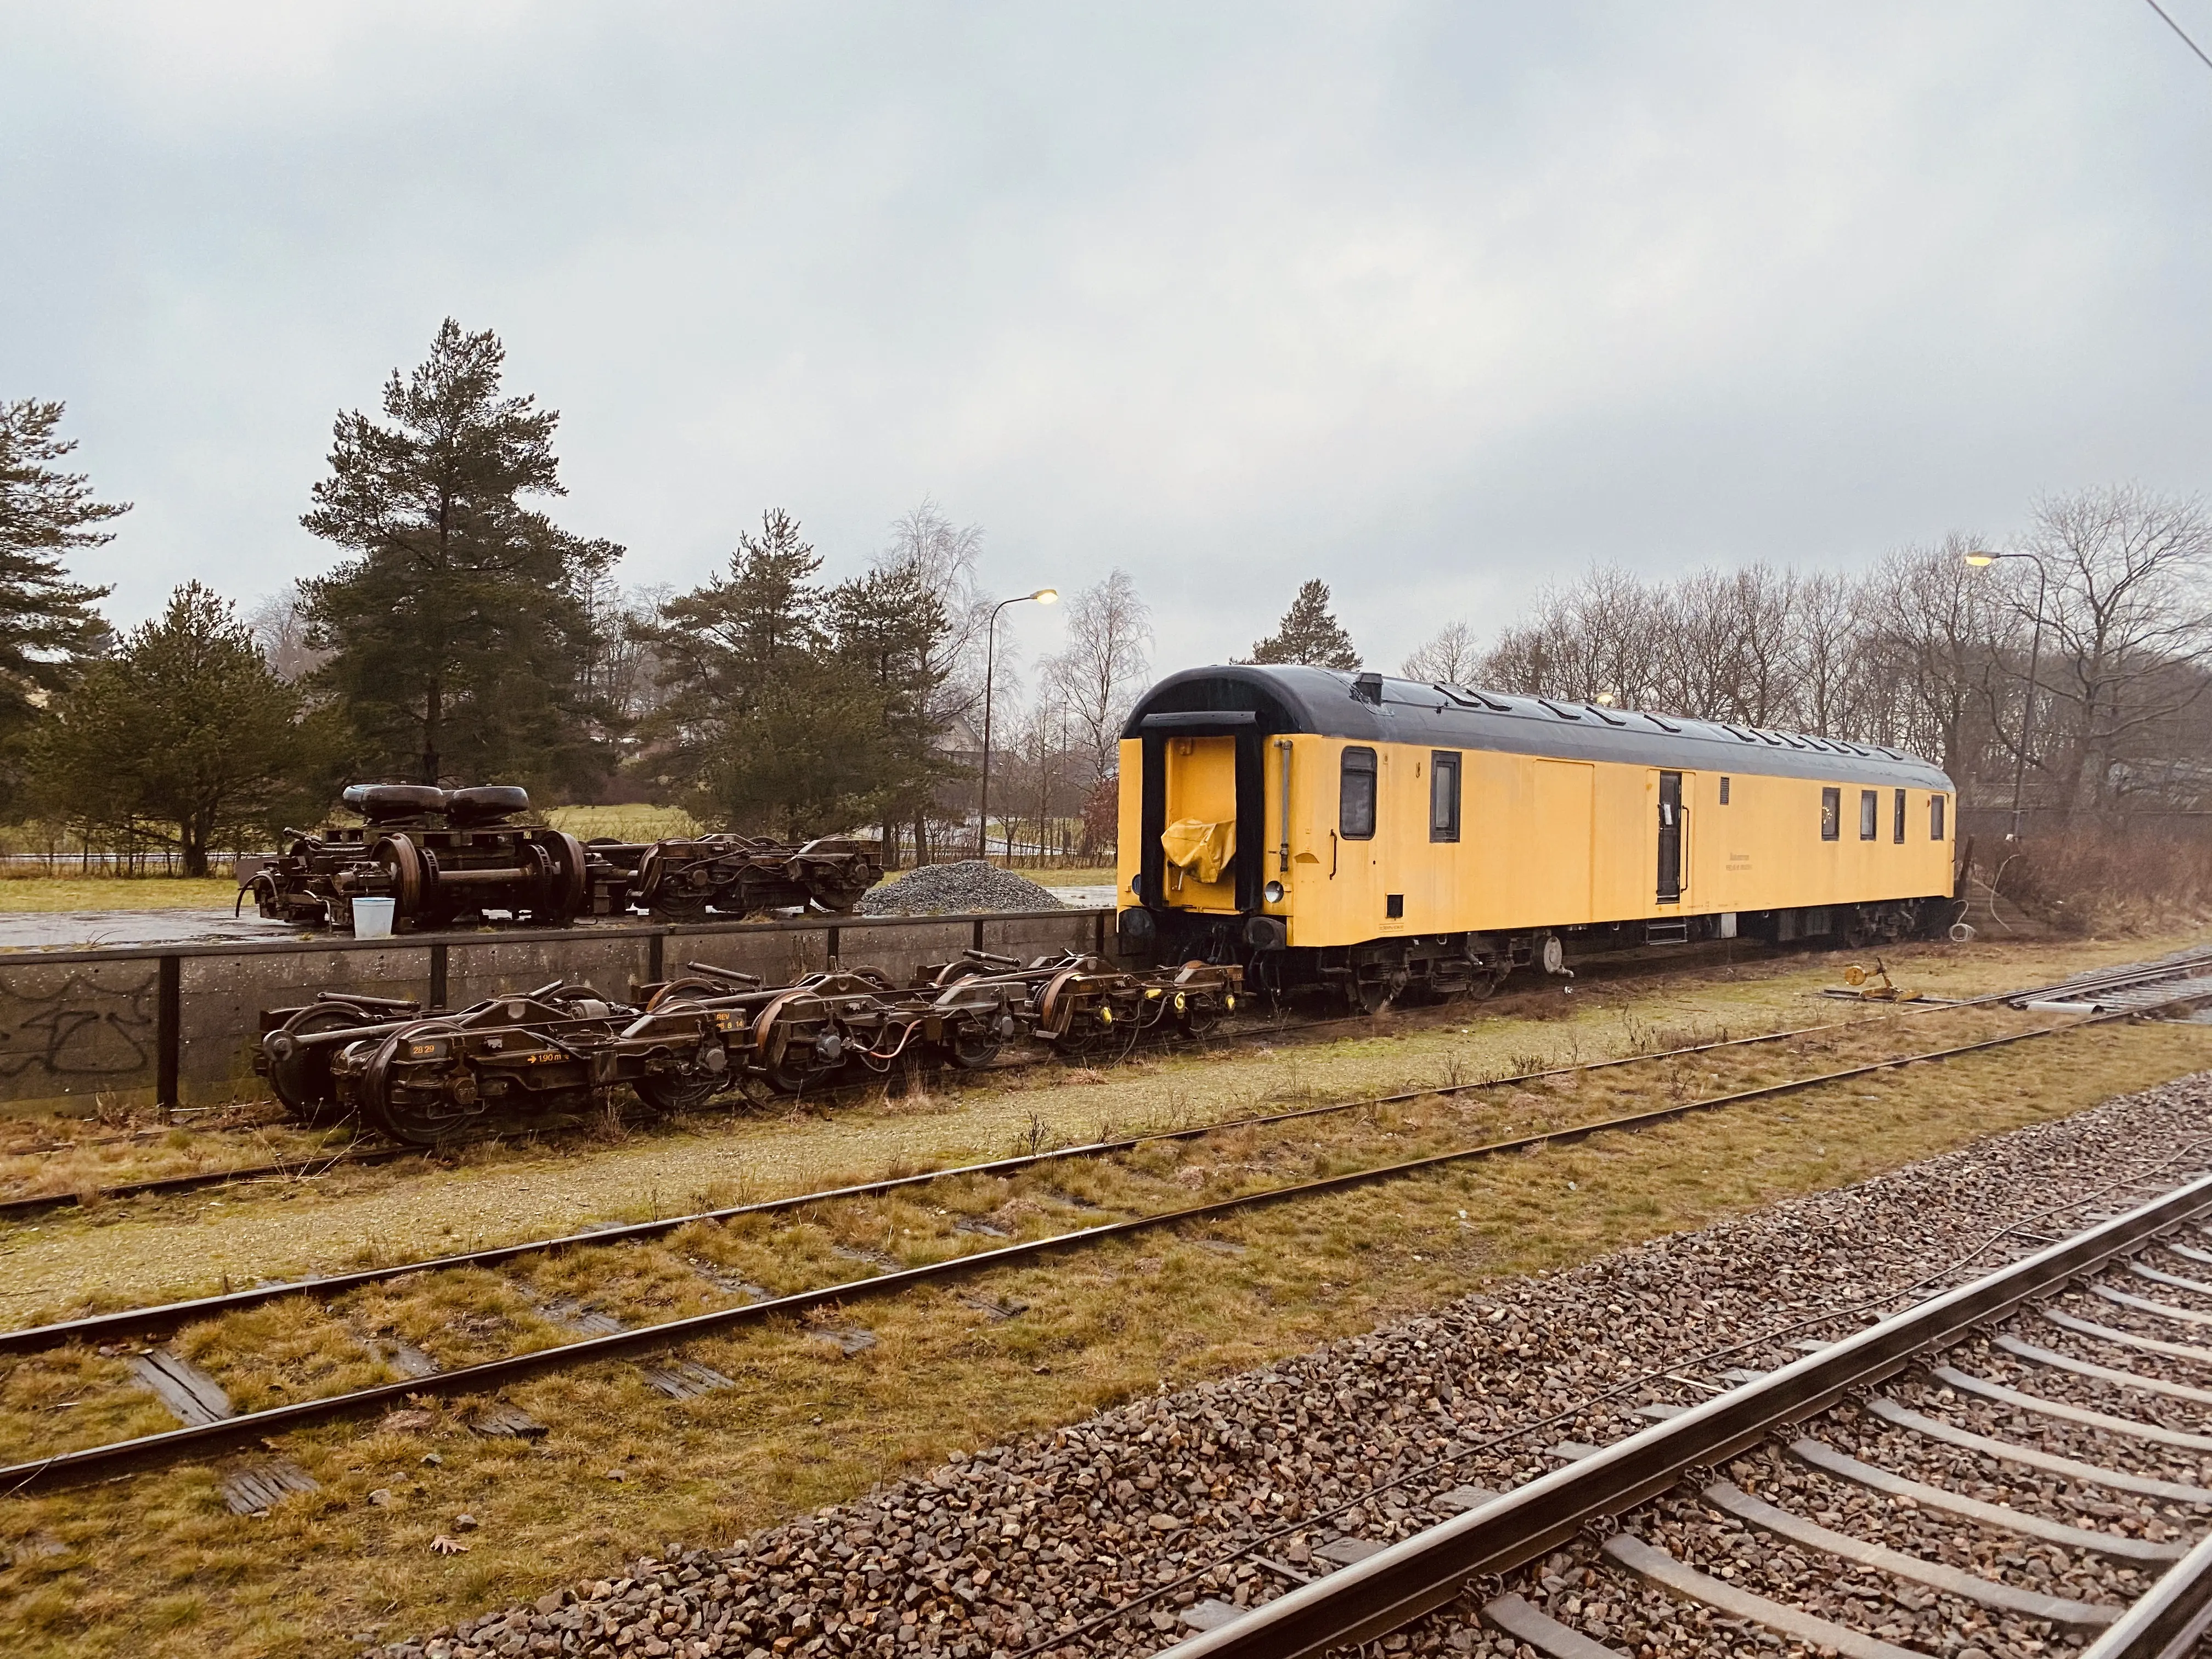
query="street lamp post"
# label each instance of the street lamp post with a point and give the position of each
(1982, 557)
(1043, 596)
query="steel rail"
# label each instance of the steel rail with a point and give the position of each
(1397, 1584)
(101, 1460)
(355, 1155)
(310, 1168)
(2167, 1620)
(167, 1316)
(199, 1180)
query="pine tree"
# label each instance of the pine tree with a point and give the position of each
(767, 726)
(1307, 634)
(184, 737)
(892, 627)
(461, 633)
(48, 628)
(729, 641)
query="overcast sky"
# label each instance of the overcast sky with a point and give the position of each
(1435, 303)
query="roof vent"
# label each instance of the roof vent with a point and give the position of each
(1368, 688)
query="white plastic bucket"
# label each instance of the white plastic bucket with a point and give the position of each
(372, 917)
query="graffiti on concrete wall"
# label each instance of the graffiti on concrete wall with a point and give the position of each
(78, 1029)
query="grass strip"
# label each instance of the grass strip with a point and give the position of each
(513, 1368)
(168, 1315)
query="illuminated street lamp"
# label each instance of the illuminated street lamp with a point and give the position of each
(1043, 596)
(1981, 557)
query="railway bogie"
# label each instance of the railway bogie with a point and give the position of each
(730, 875)
(444, 856)
(423, 1076)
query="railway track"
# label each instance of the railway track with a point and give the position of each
(208, 1424)
(2145, 987)
(371, 1154)
(2069, 1385)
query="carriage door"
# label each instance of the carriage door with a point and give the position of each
(1670, 837)
(1200, 838)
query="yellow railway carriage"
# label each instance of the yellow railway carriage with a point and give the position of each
(1386, 837)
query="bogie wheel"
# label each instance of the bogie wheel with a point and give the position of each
(418, 1118)
(667, 895)
(302, 1079)
(1368, 996)
(1482, 987)
(1199, 1016)
(784, 1036)
(677, 989)
(400, 855)
(971, 1051)
(568, 884)
(1055, 1018)
(953, 972)
(1075, 1046)
(679, 1092)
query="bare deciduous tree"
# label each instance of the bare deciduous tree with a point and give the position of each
(1099, 673)
(278, 624)
(2130, 611)
(1450, 657)
(949, 673)
(1930, 635)
(1926, 652)
(1600, 637)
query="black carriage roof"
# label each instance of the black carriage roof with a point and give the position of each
(1375, 708)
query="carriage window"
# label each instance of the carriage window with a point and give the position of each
(1831, 813)
(1897, 829)
(1934, 817)
(1869, 814)
(1443, 795)
(1724, 787)
(1355, 809)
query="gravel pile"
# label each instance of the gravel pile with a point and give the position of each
(950, 889)
(1094, 1539)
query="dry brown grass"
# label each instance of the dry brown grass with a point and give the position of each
(158, 1566)
(2094, 881)
(44, 1156)
(493, 1193)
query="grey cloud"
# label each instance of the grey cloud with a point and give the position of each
(1433, 301)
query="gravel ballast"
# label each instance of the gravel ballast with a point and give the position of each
(1096, 1538)
(938, 890)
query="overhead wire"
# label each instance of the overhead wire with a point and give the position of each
(2180, 31)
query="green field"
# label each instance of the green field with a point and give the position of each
(73, 892)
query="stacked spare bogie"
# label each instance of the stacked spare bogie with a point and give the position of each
(445, 857)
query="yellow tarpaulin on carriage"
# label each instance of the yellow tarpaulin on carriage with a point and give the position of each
(1199, 850)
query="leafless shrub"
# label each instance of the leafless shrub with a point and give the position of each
(2099, 881)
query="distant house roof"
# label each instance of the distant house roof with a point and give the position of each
(959, 738)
